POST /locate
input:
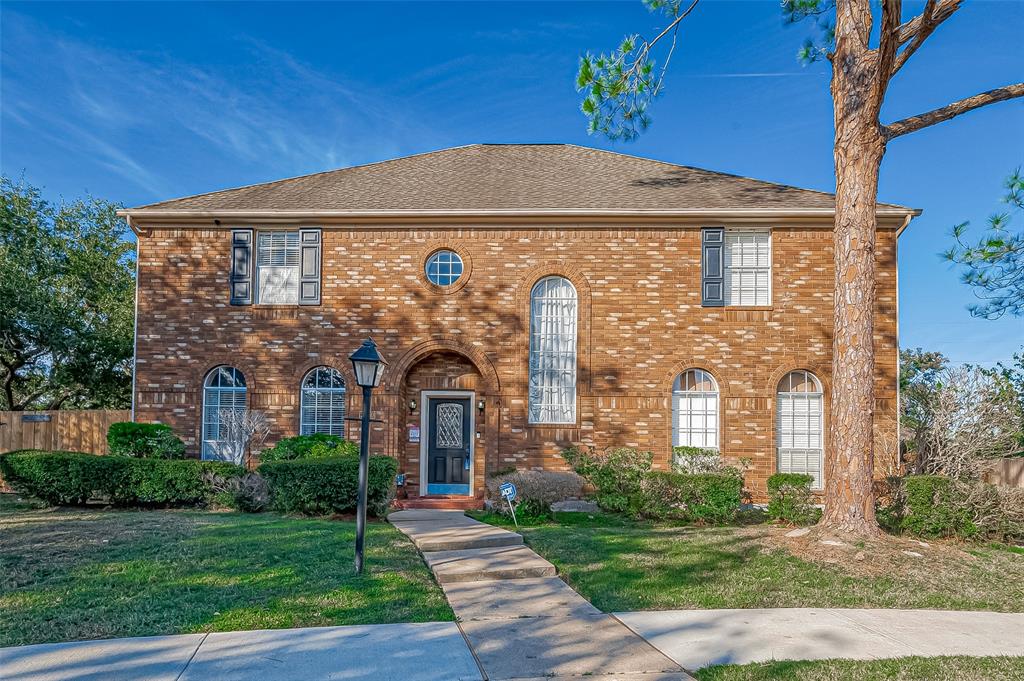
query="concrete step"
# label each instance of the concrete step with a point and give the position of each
(423, 515)
(472, 565)
(514, 598)
(440, 502)
(454, 535)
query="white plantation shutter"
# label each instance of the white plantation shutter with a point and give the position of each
(323, 402)
(695, 410)
(748, 267)
(553, 314)
(277, 268)
(223, 389)
(799, 426)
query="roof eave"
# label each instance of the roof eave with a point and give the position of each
(492, 215)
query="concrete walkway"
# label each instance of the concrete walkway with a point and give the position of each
(698, 638)
(434, 651)
(519, 619)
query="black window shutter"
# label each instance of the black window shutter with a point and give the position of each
(241, 267)
(713, 266)
(309, 267)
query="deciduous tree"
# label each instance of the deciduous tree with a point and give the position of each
(67, 302)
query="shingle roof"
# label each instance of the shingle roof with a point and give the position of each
(508, 177)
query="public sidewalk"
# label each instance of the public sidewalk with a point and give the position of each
(699, 638)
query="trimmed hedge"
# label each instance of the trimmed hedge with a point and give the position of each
(710, 498)
(933, 508)
(144, 440)
(790, 499)
(323, 486)
(73, 478)
(317, 445)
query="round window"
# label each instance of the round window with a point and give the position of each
(444, 268)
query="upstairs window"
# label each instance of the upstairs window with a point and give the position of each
(444, 268)
(553, 317)
(748, 267)
(323, 402)
(799, 426)
(277, 268)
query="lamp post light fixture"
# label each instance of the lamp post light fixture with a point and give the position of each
(368, 366)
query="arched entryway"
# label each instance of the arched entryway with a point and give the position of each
(448, 392)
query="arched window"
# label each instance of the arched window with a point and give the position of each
(799, 425)
(553, 351)
(223, 389)
(323, 402)
(695, 410)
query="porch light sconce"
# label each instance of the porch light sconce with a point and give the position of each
(412, 406)
(480, 405)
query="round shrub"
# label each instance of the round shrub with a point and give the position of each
(144, 441)
(790, 499)
(319, 486)
(318, 445)
(535, 490)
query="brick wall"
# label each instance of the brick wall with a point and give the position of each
(641, 323)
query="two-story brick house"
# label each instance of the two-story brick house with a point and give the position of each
(526, 297)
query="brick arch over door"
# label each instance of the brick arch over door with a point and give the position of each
(396, 374)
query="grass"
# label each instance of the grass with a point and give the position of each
(623, 565)
(901, 669)
(75, 574)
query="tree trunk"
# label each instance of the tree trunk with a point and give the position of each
(859, 147)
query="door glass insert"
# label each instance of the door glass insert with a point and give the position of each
(449, 426)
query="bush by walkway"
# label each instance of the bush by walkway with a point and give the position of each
(73, 574)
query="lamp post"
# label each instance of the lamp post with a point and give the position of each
(368, 366)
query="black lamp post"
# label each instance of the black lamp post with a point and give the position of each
(368, 366)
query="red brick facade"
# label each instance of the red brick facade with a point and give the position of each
(640, 324)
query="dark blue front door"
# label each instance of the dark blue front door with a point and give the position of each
(448, 441)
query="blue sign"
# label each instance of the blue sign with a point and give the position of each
(508, 490)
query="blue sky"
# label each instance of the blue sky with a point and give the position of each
(137, 102)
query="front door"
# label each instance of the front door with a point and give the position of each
(448, 445)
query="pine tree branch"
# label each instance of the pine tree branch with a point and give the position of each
(923, 25)
(915, 123)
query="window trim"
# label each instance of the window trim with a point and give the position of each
(717, 392)
(531, 420)
(343, 390)
(821, 392)
(244, 389)
(256, 283)
(771, 266)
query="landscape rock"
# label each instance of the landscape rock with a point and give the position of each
(798, 532)
(574, 506)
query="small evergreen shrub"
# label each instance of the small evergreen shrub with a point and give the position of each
(711, 498)
(73, 478)
(535, 491)
(934, 507)
(144, 441)
(695, 460)
(790, 499)
(617, 475)
(317, 445)
(319, 486)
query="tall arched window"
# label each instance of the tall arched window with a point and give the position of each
(553, 306)
(223, 389)
(695, 410)
(323, 402)
(799, 425)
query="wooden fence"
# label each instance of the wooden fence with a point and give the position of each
(1010, 472)
(71, 430)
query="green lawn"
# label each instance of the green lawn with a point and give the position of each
(902, 669)
(71, 574)
(622, 565)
